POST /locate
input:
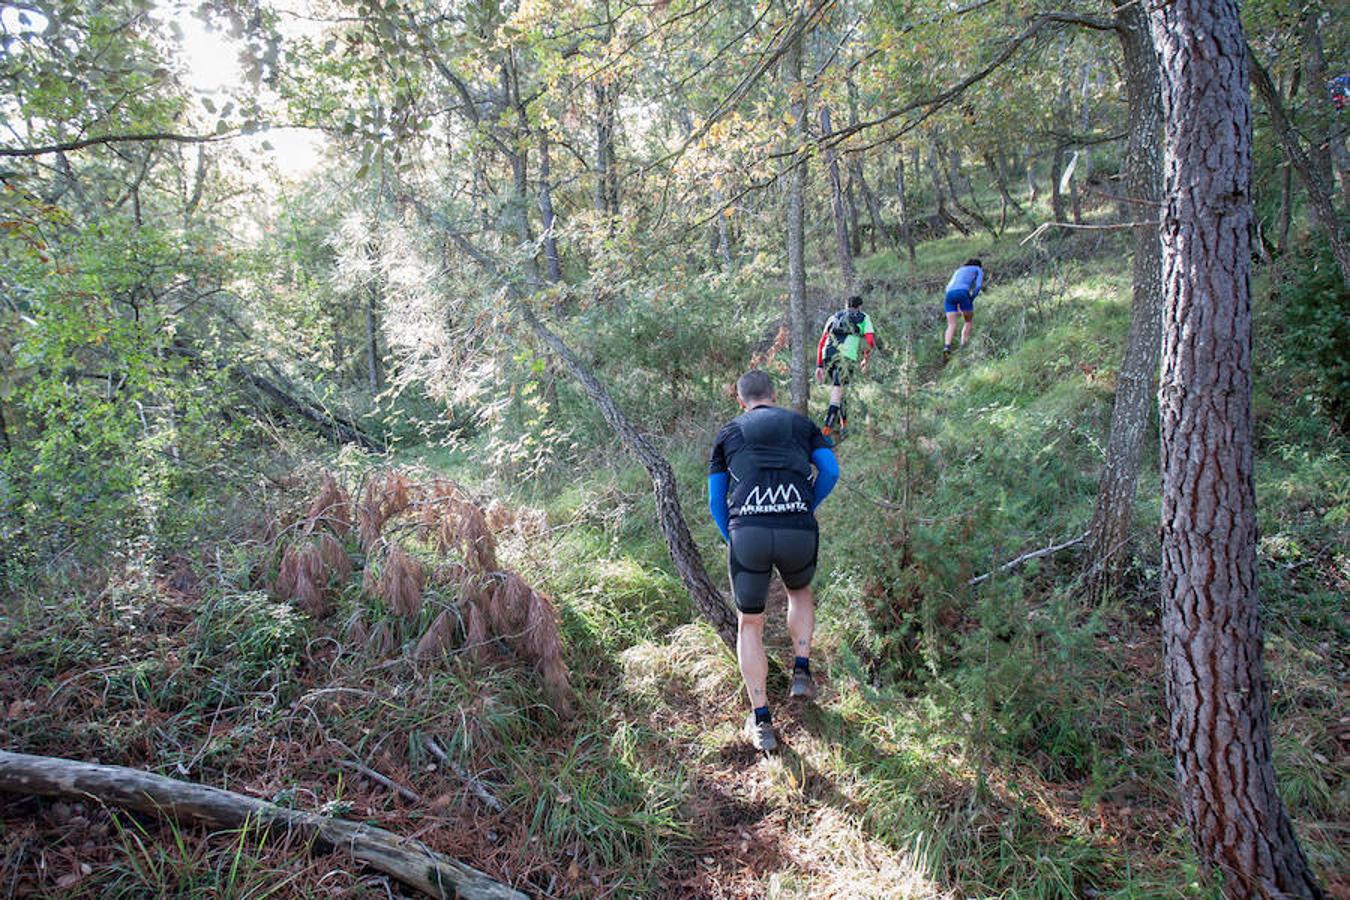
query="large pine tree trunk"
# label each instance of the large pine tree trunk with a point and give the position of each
(795, 88)
(1216, 689)
(1109, 533)
(841, 241)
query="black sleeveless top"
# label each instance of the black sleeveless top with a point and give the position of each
(767, 451)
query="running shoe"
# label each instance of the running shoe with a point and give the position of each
(760, 734)
(803, 686)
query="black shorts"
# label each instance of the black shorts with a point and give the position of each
(755, 551)
(840, 369)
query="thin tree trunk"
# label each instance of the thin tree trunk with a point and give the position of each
(338, 429)
(857, 167)
(1318, 192)
(1286, 213)
(873, 205)
(1326, 126)
(548, 220)
(723, 231)
(843, 248)
(951, 163)
(339, 346)
(480, 189)
(902, 206)
(602, 155)
(408, 860)
(1216, 690)
(670, 517)
(1057, 210)
(795, 89)
(1109, 533)
(520, 173)
(996, 175)
(1033, 190)
(1084, 167)
(374, 376)
(850, 203)
(1075, 196)
(934, 173)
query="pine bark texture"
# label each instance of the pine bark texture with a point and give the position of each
(1216, 691)
(1109, 533)
(407, 860)
(795, 88)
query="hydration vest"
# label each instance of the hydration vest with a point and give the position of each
(771, 472)
(846, 323)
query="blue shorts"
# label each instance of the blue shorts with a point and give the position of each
(959, 300)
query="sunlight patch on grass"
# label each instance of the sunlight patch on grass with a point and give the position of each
(835, 858)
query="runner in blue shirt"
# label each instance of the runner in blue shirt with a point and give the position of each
(962, 290)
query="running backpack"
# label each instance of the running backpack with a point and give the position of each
(846, 323)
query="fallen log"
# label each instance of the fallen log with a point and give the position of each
(337, 428)
(409, 861)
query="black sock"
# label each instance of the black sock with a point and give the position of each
(762, 715)
(803, 664)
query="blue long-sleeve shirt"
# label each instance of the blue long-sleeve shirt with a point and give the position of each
(967, 278)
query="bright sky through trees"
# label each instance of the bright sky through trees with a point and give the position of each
(210, 59)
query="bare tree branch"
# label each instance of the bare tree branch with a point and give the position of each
(1027, 557)
(111, 139)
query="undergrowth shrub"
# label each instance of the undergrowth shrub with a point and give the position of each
(248, 641)
(1313, 301)
(689, 337)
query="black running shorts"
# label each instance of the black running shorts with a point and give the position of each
(755, 551)
(840, 370)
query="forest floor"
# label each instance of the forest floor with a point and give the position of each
(1002, 741)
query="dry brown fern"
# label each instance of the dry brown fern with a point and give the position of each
(385, 496)
(303, 577)
(438, 640)
(331, 506)
(334, 557)
(525, 618)
(400, 582)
